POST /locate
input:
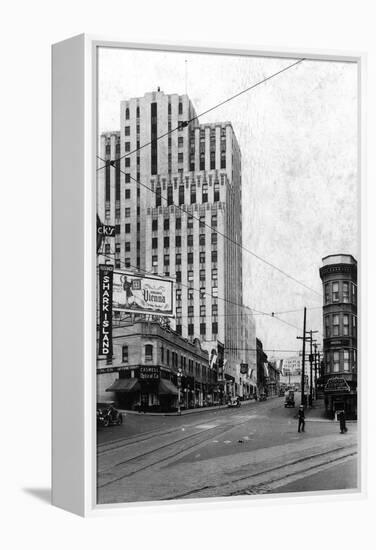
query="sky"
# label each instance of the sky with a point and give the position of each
(298, 139)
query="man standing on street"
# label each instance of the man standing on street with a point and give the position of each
(342, 422)
(301, 418)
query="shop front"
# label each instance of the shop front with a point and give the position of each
(340, 395)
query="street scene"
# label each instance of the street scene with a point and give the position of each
(227, 257)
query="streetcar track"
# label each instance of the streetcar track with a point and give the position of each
(269, 470)
(200, 435)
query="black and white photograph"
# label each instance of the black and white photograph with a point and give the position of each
(228, 249)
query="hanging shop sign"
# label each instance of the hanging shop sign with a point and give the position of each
(147, 294)
(243, 368)
(105, 309)
(337, 384)
(149, 373)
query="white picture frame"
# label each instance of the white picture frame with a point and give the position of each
(74, 115)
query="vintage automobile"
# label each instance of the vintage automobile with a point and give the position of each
(262, 397)
(234, 402)
(289, 398)
(107, 415)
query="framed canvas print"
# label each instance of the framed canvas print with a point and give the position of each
(207, 274)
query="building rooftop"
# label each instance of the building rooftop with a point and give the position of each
(339, 259)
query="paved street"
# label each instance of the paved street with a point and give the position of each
(251, 450)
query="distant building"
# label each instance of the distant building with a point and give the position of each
(339, 278)
(147, 361)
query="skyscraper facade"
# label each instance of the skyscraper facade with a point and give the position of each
(175, 200)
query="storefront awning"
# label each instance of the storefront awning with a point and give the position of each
(166, 387)
(125, 385)
(229, 377)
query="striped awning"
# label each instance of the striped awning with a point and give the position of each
(125, 385)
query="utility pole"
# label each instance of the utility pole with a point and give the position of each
(310, 332)
(315, 346)
(303, 359)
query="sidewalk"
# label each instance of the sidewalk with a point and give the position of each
(187, 411)
(316, 413)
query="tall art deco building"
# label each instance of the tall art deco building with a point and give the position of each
(172, 202)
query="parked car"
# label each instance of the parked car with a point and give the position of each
(234, 402)
(262, 397)
(107, 415)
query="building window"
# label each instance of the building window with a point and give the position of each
(154, 225)
(178, 294)
(127, 114)
(158, 196)
(335, 292)
(202, 311)
(127, 162)
(178, 241)
(202, 274)
(336, 361)
(336, 325)
(127, 227)
(214, 274)
(178, 311)
(212, 160)
(204, 192)
(202, 292)
(214, 309)
(127, 212)
(189, 240)
(180, 108)
(178, 223)
(180, 158)
(127, 246)
(345, 292)
(190, 311)
(166, 259)
(202, 257)
(346, 360)
(345, 325)
(127, 193)
(327, 326)
(202, 221)
(169, 195)
(154, 242)
(148, 352)
(190, 329)
(168, 357)
(154, 261)
(189, 222)
(181, 194)
(214, 220)
(127, 262)
(216, 192)
(202, 161)
(354, 326)
(190, 275)
(214, 238)
(166, 242)
(214, 256)
(353, 293)
(127, 178)
(193, 193)
(117, 264)
(327, 293)
(214, 328)
(202, 329)
(202, 239)
(190, 258)
(179, 329)
(178, 259)
(127, 146)
(190, 293)
(107, 248)
(178, 276)
(223, 159)
(127, 130)
(124, 354)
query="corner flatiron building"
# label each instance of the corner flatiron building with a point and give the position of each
(173, 202)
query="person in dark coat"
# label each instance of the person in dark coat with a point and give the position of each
(301, 419)
(342, 422)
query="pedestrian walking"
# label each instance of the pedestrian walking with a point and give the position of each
(342, 422)
(301, 417)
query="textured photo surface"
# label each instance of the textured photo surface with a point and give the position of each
(227, 255)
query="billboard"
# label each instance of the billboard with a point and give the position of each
(147, 294)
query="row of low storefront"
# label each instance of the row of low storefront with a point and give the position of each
(154, 369)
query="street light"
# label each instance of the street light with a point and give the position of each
(179, 375)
